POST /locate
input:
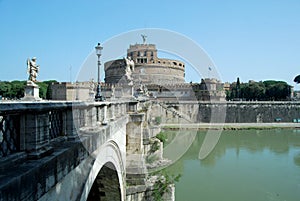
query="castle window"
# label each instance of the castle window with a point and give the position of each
(151, 53)
(158, 62)
(180, 64)
(145, 53)
(139, 54)
(175, 63)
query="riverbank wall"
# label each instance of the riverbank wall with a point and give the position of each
(228, 112)
(231, 126)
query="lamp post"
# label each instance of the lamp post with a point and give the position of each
(98, 96)
(77, 90)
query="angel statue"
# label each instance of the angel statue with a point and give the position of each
(32, 69)
(129, 68)
(144, 37)
(92, 85)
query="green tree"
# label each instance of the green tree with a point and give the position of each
(5, 88)
(253, 91)
(238, 88)
(232, 93)
(43, 89)
(15, 89)
(267, 90)
(49, 91)
(228, 95)
(297, 79)
(277, 90)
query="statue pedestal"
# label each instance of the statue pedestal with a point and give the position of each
(127, 91)
(31, 92)
(91, 96)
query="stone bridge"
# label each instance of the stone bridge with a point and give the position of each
(55, 150)
(74, 150)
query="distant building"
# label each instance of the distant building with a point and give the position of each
(296, 95)
(70, 91)
(161, 78)
(226, 86)
(148, 68)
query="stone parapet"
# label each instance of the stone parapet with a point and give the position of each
(30, 126)
(48, 140)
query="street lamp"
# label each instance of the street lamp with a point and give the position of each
(98, 96)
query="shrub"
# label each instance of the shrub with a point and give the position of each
(162, 137)
(157, 120)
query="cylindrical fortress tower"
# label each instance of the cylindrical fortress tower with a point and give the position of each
(148, 68)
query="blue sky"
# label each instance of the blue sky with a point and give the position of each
(256, 40)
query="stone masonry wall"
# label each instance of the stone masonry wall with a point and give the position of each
(230, 112)
(262, 112)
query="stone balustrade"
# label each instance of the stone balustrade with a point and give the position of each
(29, 128)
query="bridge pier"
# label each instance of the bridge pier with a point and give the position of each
(135, 163)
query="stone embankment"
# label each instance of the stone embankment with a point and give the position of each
(232, 126)
(228, 112)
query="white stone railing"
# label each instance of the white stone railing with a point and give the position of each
(31, 127)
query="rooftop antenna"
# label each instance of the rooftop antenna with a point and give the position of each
(70, 73)
(144, 37)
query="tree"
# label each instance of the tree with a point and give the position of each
(49, 91)
(267, 90)
(258, 90)
(277, 90)
(15, 89)
(253, 91)
(297, 79)
(232, 92)
(5, 88)
(238, 88)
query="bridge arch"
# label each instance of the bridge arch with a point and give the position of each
(107, 176)
(106, 185)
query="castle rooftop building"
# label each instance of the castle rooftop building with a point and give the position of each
(143, 72)
(148, 68)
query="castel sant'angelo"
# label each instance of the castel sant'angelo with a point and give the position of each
(148, 68)
(143, 72)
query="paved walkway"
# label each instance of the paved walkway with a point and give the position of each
(232, 125)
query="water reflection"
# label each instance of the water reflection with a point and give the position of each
(245, 165)
(254, 141)
(297, 159)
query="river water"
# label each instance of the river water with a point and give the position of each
(245, 165)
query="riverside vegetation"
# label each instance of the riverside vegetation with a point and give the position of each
(14, 90)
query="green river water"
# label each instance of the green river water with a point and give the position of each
(245, 165)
